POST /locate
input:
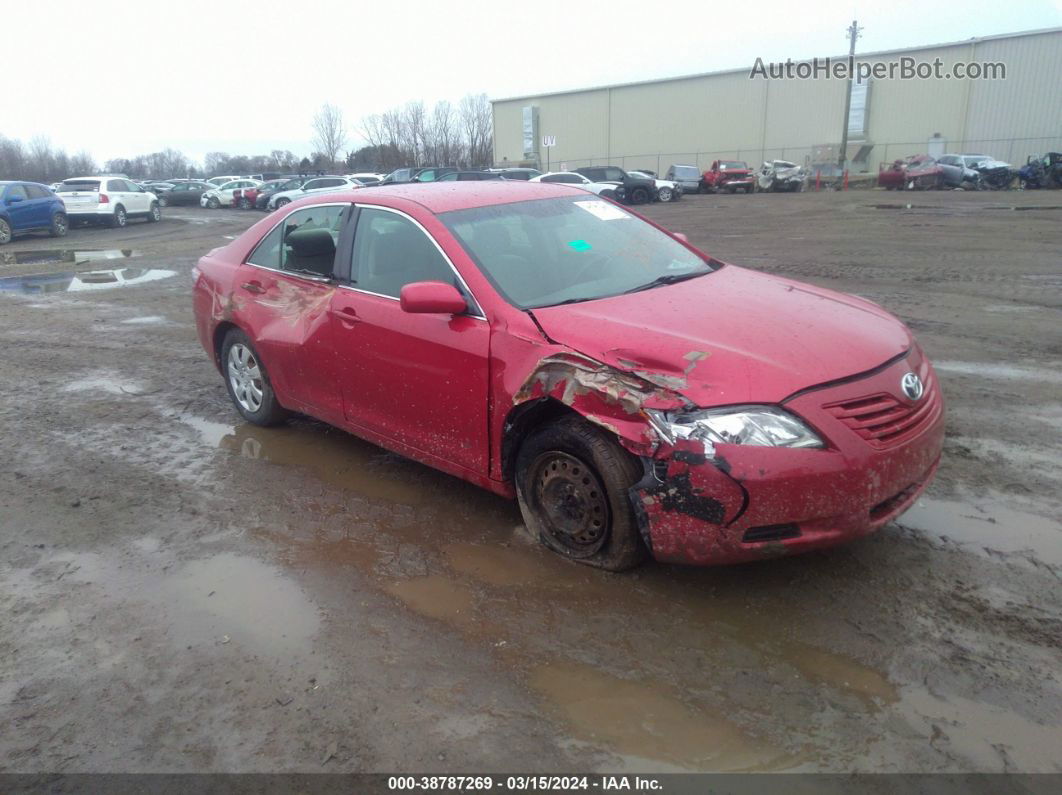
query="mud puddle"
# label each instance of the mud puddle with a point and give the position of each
(61, 256)
(46, 283)
(1001, 372)
(988, 527)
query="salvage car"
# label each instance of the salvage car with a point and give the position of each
(222, 195)
(688, 177)
(634, 394)
(666, 189)
(969, 171)
(27, 207)
(183, 193)
(916, 172)
(247, 198)
(728, 175)
(636, 190)
(311, 186)
(111, 200)
(781, 176)
(609, 190)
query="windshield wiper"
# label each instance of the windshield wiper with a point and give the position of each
(667, 278)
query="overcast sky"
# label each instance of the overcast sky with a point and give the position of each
(121, 79)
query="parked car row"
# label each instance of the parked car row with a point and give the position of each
(970, 172)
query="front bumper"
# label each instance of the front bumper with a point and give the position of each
(746, 503)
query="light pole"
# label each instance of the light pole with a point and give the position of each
(853, 34)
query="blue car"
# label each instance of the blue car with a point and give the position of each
(30, 207)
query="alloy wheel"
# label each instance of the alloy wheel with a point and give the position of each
(245, 378)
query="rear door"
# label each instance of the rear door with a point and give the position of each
(417, 379)
(283, 292)
(40, 205)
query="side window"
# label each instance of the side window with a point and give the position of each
(115, 185)
(16, 192)
(613, 174)
(330, 183)
(452, 177)
(390, 251)
(267, 252)
(313, 183)
(36, 192)
(310, 239)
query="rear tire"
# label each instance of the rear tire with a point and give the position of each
(5, 232)
(639, 196)
(118, 219)
(247, 381)
(572, 480)
(213, 203)
(59, 225)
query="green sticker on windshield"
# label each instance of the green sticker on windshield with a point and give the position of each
(580, 245)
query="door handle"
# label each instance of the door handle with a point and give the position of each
(348, 316)
(253, 287)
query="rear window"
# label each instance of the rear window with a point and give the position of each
(687, 172)
(738, 164)
(71, 185)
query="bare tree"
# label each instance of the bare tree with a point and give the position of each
(477, 126)
(329, 134)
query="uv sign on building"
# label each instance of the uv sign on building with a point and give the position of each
(695, 119)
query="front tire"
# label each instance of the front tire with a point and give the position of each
(60, 225)
(213, 203)
(572, 480)
(5, 232)
(119, 219)
(281, 202)
(248, 382)
(639, 196)
(156, 214)
(665, 194)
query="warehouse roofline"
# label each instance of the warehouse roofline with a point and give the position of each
(964, 42)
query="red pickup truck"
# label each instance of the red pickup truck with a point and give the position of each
(728, 175)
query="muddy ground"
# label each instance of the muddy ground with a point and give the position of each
(180, 591)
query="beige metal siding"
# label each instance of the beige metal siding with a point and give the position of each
(699, 118)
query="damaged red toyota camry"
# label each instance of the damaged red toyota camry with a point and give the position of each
(635, 395)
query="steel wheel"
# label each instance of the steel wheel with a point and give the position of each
(5, 232)
(245, 377)
(572, 502)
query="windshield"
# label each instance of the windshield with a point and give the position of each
(71, 185)
(687, 172)
(733, 164)
(552, 251)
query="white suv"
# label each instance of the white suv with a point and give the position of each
(312, 187)
(111, 199)
(222, 195)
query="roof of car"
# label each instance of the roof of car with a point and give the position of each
(442, 197)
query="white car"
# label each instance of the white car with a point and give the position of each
(607, 189)
(367, 178)
(219, 181)
(222, 195)
(313, 187)
(113, 200)
(667, 190)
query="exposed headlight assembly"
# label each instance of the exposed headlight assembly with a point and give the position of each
(758, 426)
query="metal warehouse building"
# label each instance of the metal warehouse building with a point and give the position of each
(698, 118)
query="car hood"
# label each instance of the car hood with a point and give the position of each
(733, 336)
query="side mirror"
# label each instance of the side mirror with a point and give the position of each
(682, 236)
(432, 298)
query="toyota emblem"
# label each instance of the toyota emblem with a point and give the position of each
(911, 385)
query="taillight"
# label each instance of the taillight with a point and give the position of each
(104, 198)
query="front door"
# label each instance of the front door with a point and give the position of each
(18, 207)
(418, 379)
(282, 296)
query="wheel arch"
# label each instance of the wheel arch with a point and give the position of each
(524, 418)
(220, 332)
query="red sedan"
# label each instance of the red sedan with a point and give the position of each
(633, 393)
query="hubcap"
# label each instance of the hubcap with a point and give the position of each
(245, 378)
(570, 499)
(665, 195)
